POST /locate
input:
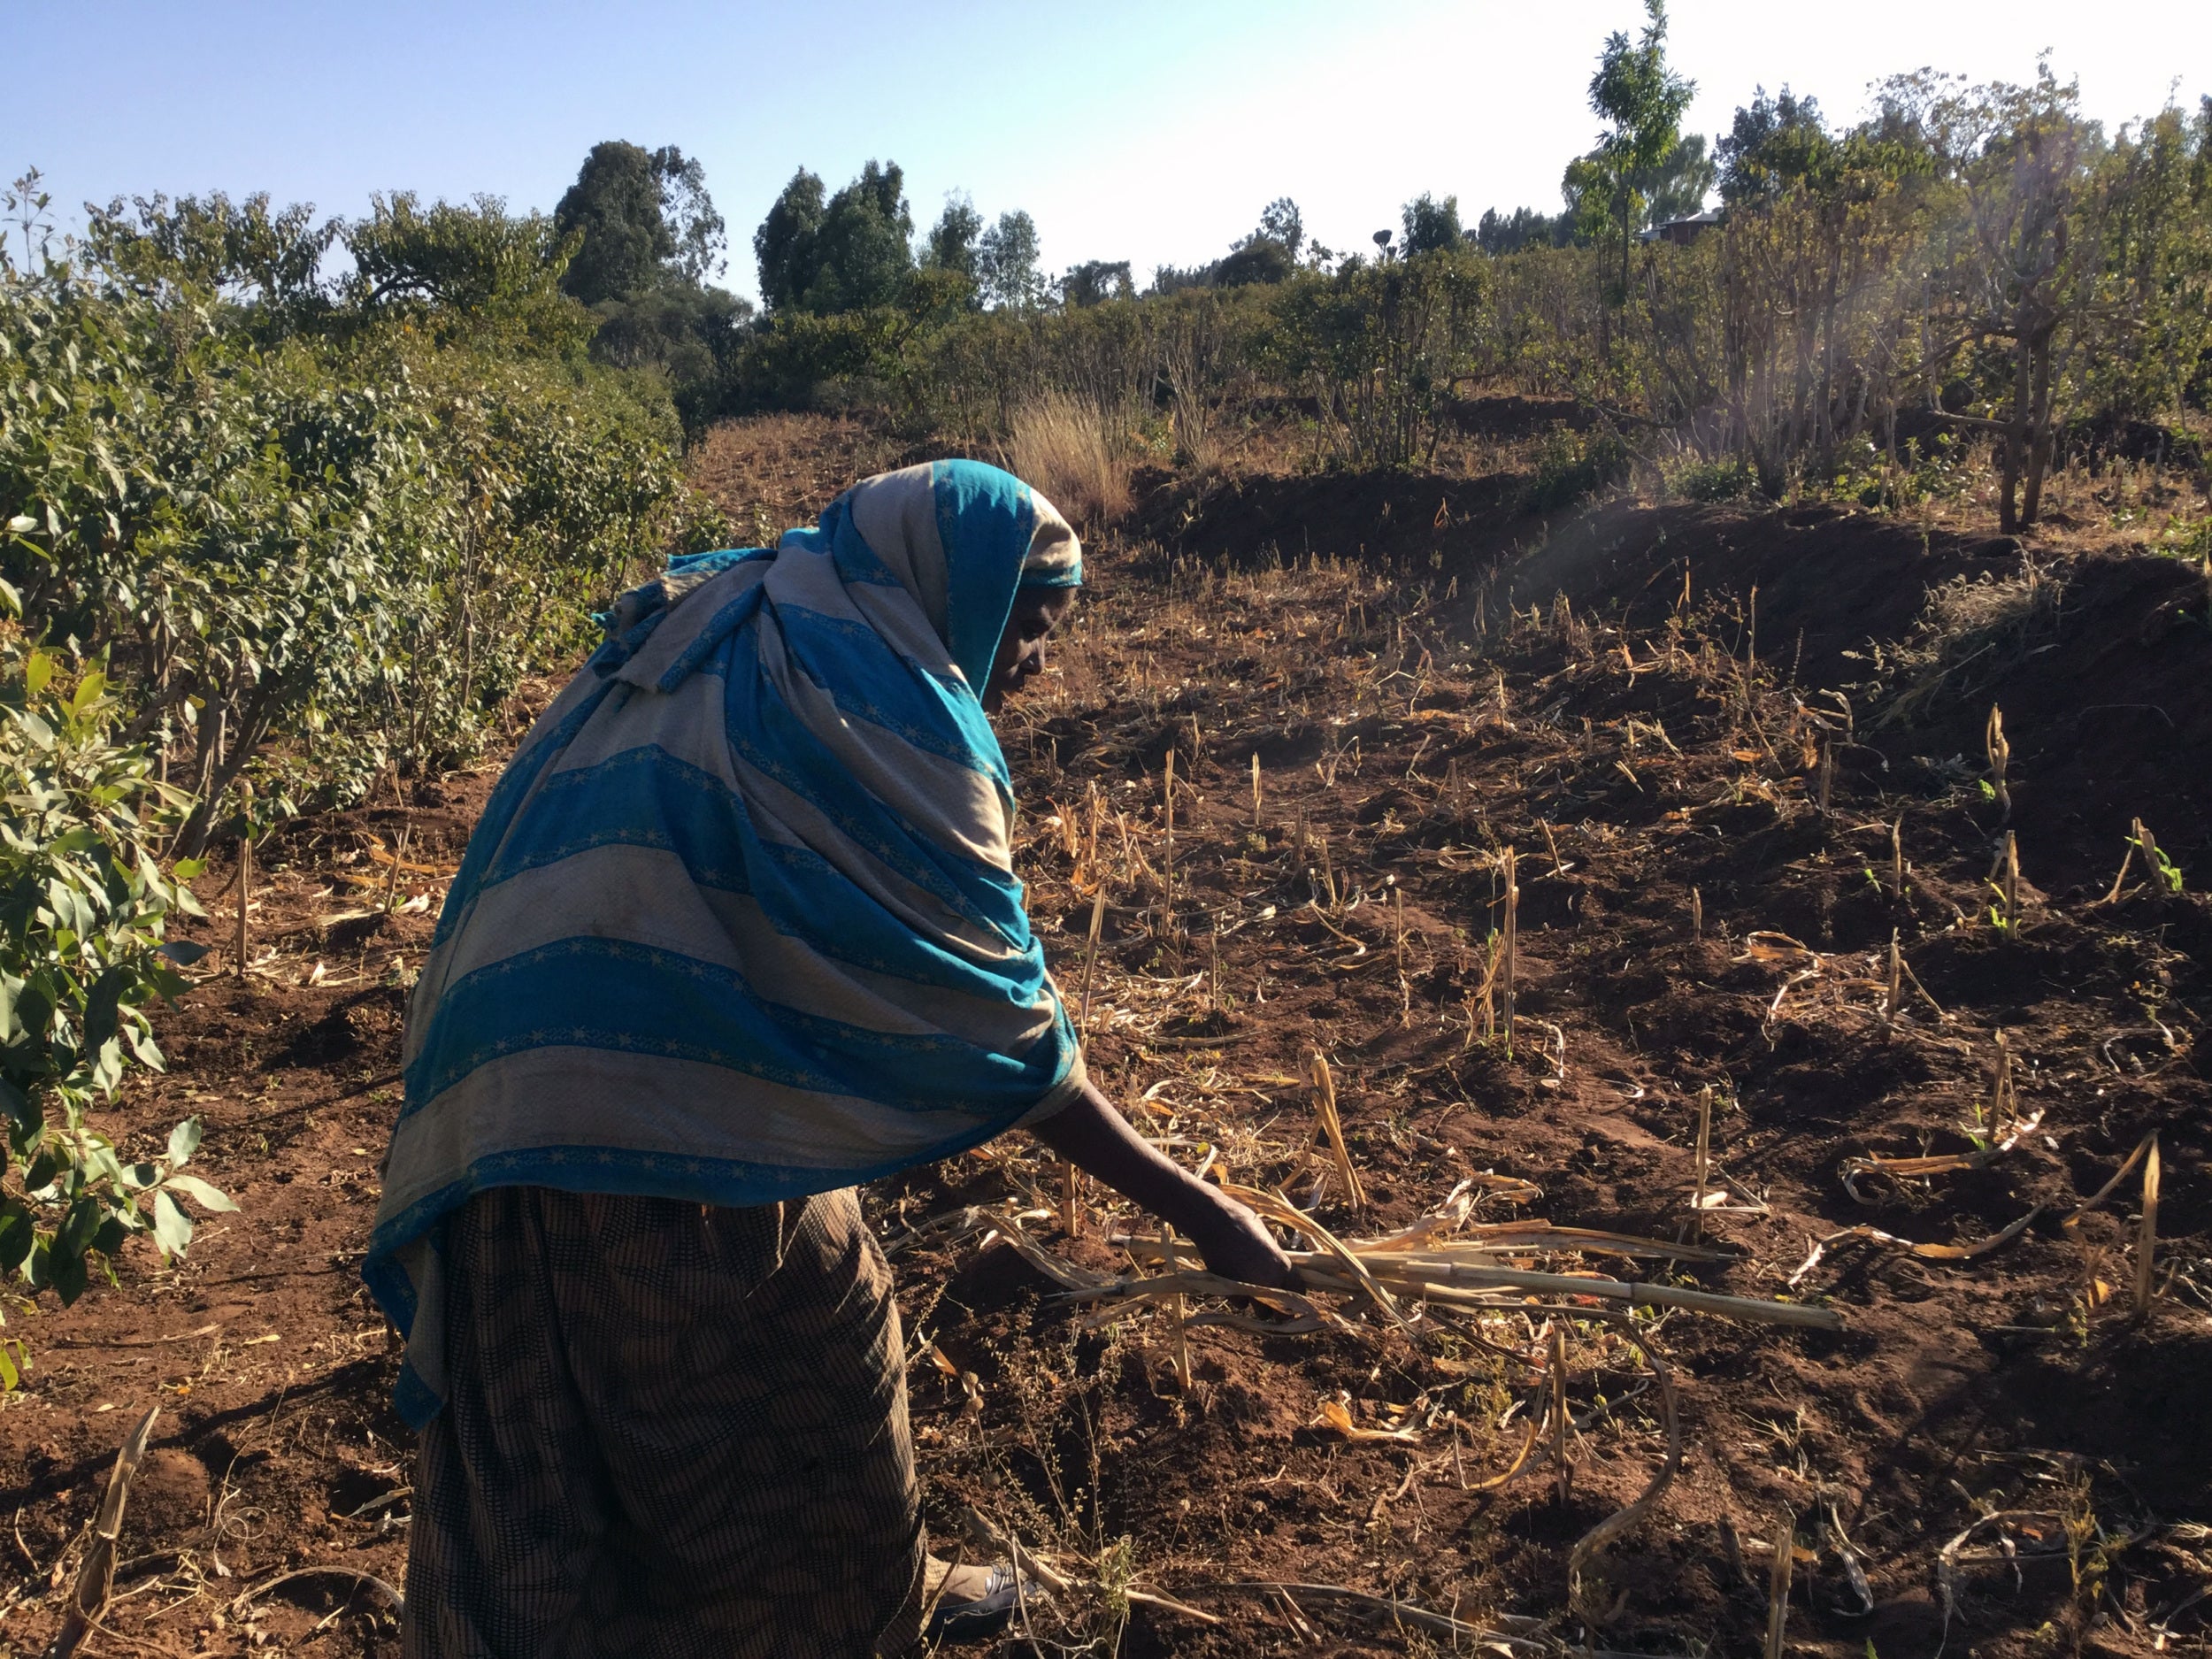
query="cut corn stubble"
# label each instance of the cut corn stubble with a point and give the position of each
(1323, 1083)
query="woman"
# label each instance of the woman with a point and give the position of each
(738, 931)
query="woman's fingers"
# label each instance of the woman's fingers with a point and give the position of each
(1243, 1251)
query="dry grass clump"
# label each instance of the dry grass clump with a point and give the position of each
(1971, 630)
(1060, 446)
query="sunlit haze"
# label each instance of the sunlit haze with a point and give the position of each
(1145, 131)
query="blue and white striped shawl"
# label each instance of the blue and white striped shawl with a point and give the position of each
(740, 922)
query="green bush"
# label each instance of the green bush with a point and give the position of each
(320, 553)
(83, 903)
(1571, 466)
(1380, 346)
(1729, 479)
(301, 529)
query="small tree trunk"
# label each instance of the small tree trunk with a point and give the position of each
(253, 725)
(1628, 237)
(2012, 445)
(2039, 429)
(245, 884)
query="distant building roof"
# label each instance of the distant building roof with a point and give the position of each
(1683, 230)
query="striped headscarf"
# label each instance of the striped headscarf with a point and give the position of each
(739, 921)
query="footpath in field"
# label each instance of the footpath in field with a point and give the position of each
(1453, 881)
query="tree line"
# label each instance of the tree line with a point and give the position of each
(1967, 264)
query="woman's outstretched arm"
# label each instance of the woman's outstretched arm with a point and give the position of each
(1093, 1136)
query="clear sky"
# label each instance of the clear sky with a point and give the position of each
(1147, 130)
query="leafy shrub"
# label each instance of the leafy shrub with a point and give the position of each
(1570, 466)
(2184, 540)
(346, 547)
(1730, 479)
(1380, 346)
(82, 907)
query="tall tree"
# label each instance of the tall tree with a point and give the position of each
(616, 205)
(951, 242)
(702, 237)
(864, 249)
(1096, 282)
(1499, 232)
(2017, 281)
(1773, 143)
(846, 254)
(784, 242)
(1270, 254)
(1431, 224)
(1006, 261)
(1641, 101)
(2153, 320)
(1281, 221)
(643, 215)
(1677, 186)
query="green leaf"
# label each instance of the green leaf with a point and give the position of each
(104, 1008)
(172, 1228)
(189, 870)
(77, 1227)
(65, 1273)
(72, 1240)
(143, 1045)
(16, 1232)
(208, 1198)
(184, 1141)
(107, 1066)
(34, 1011)
(38, 672)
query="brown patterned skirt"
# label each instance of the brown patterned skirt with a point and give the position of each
(672, 1431)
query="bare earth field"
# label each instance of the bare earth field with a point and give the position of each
(1994, 1455)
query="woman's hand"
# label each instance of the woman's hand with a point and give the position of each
(1091, 1134)
(1236, 1245)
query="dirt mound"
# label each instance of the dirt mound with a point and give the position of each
(1411, 521)
(2101, 673)
(1829, 582)
(2108, 706)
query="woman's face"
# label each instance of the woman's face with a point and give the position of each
(1021, 648)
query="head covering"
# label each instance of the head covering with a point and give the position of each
(739, 921)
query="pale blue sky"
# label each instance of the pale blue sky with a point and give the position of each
(1150, 130)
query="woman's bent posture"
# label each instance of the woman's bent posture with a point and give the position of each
(739, 931)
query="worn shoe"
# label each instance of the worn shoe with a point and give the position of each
(969, 1603)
